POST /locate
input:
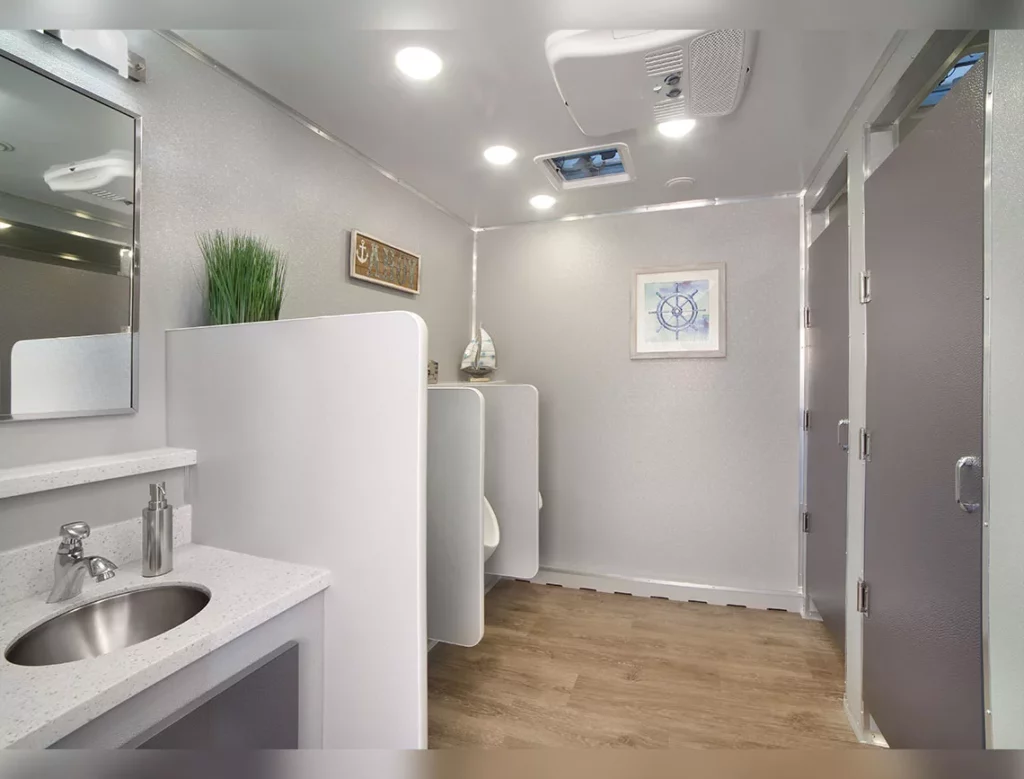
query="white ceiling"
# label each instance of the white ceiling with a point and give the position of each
(498, 89)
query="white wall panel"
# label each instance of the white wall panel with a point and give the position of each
(677, 470)
(78, 373)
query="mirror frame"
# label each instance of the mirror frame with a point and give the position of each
(135, 285)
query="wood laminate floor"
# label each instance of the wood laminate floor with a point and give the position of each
(572, 668)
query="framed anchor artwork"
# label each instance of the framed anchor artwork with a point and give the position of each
(678, 312)
(379, 262)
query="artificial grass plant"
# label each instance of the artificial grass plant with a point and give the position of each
(244, 278)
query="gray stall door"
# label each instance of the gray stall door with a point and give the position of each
(922, 635)
(828, 371)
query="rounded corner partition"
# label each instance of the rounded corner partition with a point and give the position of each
(289, 415)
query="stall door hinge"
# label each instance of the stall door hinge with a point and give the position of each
(863, 592)
(807, 317)
(805, 521)
(864, 451)
(865, 286)
(807, 419)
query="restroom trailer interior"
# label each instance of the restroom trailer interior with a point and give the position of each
(729, 484)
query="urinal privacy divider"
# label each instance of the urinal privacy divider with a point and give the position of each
(455, 528)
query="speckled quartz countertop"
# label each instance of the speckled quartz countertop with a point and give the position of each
(39, 705)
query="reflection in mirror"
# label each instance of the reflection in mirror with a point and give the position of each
(68, 250)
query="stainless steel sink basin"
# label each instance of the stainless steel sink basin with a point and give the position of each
(107, 624)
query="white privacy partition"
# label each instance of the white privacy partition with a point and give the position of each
(512, 476)
(312, 441)
(78, 373)
(455, 527)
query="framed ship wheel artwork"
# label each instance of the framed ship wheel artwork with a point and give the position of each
(678, 312)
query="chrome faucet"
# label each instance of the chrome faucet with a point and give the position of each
(70, 566)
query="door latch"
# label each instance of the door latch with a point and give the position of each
(865, 286)
(863, 595)
(865, 445)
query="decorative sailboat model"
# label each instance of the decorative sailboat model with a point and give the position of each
(479, 359)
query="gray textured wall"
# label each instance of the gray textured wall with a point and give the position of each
(216, 156)
(685, 470)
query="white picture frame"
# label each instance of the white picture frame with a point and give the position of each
(678, 312)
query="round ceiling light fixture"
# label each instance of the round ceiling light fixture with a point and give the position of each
(542, 202)
(418, 63)
(677, 128)
(499, 155)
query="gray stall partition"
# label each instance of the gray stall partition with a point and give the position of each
(922, 634)
(828, 436)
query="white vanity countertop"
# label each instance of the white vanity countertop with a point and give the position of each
(41, 704)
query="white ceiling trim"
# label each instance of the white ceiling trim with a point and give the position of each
(677, 205)
(303, 120)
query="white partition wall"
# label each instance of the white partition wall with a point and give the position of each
(512, 476)
(312, 435)
(455, 527)
(77, 373)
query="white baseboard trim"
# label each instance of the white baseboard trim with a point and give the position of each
(808, 611)
(669, 590)
(864, 735)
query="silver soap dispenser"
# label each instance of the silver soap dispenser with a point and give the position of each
(157, 533)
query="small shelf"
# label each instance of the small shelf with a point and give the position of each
(27, 479)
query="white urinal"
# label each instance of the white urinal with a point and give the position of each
(492, 533)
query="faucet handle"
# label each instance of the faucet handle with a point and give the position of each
(73, 533)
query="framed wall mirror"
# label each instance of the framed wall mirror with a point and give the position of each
(69, 255)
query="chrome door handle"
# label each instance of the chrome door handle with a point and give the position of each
(969, 461)
(839, 434)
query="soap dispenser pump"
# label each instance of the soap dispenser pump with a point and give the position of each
(157, 533)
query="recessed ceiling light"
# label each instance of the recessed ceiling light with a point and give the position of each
(499, 155)
(680, 181)
(4, 225)
(542, 202)
(676, 128)
(418, 63)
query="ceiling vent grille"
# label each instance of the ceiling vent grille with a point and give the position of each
(661, 63)
(595, 166)
(670, 109)
(105, 194)
(716, 72)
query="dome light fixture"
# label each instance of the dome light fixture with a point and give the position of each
(499, 155)
(677, 128)
(418, 63)
(542, 202)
